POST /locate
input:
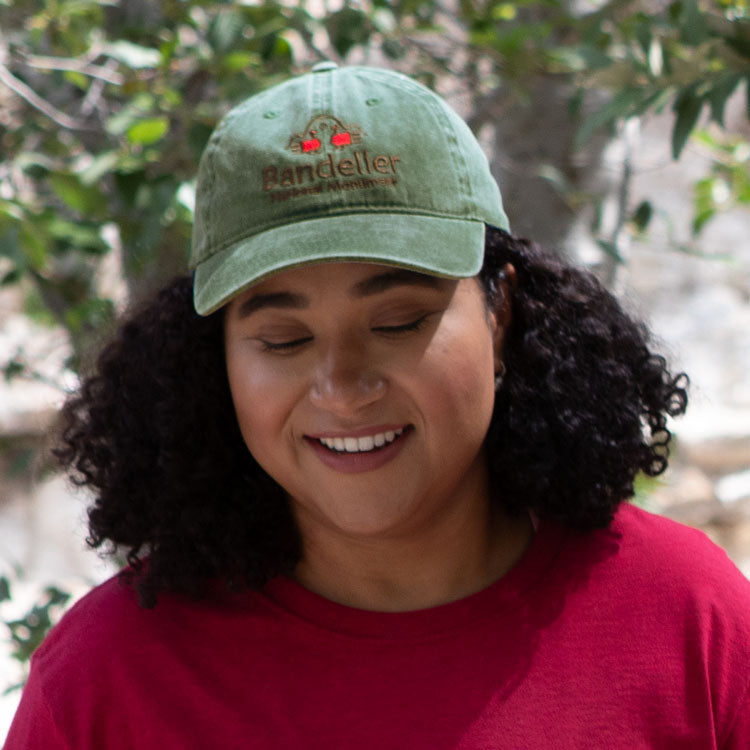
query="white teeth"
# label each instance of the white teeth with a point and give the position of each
(366, 443)
(362, 444)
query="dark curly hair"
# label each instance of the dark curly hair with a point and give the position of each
(582, 409)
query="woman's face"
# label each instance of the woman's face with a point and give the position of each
(366, 392)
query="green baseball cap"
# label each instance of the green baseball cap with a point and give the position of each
(352, 163)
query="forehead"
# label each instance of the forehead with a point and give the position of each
(354, 279)
(345, 271)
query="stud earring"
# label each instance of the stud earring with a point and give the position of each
(499, 375)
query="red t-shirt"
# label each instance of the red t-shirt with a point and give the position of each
(633, 637)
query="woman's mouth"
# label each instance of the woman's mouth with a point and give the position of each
(364, 444)
(358, 453)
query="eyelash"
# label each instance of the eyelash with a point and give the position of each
(415, 325)
(286, 346)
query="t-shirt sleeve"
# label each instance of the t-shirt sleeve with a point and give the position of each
(33, 727)
(739, 735)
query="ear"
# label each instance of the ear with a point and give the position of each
(502, 313)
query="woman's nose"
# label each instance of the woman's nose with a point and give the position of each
(345, 381)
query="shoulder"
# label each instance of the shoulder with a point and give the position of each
(668, 572)
(674, 551)
(658, 566)
(109, 630)
(109, 613)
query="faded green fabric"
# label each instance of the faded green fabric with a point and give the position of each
(339, 164)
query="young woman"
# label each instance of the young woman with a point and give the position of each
(369, 465)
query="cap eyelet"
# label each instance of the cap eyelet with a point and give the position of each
(271, 114)
(372, 101)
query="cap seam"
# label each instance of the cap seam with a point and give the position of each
(459, 162)
(440, 114)
(216, 138)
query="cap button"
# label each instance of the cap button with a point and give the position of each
(323, 66)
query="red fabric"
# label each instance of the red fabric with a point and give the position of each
(634, 637)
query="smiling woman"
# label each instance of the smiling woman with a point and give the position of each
(369, 466)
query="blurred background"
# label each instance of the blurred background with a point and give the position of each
(619, 132)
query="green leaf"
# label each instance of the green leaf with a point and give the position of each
(693, 28)
(102, 164)
(347, 28)
(33, 245)
(225, 30)
(90, 315)
(504, 12)
(687, 107)
(11, 370)
(611, 249)
(133, 55)
(704, 205)
(621, 105)
(122, 120)
(4, 589)
(583, 58)
(77, 79)
(551, 174)
(83, 237)
(642, 215)
(34, 164)
(719, 93)
(393, 49)
(128, 185)
(85, 199)
(644, 36)
(12, 277)
(148, 131)
(280, 51)
(235, 62)
(740, 45)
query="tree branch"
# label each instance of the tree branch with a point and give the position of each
(36, 101)
(88, 69)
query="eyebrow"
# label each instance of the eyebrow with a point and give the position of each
(376, 284)
(397, 277)
(284, 300)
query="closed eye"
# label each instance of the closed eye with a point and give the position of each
(414, 325)
(290, 346)
(283, 346)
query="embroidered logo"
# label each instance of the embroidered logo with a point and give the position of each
(324, 131)
(341, 154)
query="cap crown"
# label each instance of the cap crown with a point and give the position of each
(338, 141)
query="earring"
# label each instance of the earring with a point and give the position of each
(499, 376)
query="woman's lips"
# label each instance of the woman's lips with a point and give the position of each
(352, 453)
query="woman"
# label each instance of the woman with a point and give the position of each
(371, 487)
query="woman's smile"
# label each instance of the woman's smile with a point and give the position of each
(356, 454)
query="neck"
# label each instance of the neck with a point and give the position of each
(456, 557)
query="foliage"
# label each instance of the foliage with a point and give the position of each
(28, 631)
(690, 56)
(107, 105)
(727, 185)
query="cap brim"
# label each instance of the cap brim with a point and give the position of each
(436, 245)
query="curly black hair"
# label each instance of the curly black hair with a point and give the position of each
(582, 409)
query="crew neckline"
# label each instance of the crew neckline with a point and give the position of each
(503, 595)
